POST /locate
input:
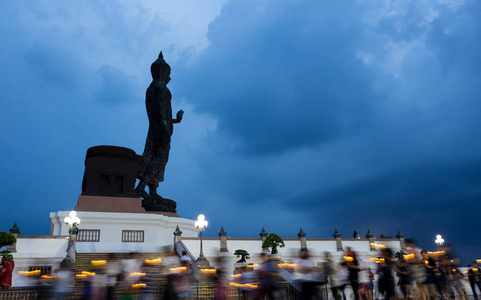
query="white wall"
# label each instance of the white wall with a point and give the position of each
(37, 251)
(289, 253)
(158, 230)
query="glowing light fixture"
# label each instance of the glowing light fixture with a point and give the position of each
(72, 221)
(201, 225)
(439, 240)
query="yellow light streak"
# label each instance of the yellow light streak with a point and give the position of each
(154, 261)
(236, 276)
(139, 285)
(375, 245)
(409, 256)
(287, 265)
(47, 277)
(88, 273)
(248, 285)
(98, 262)
(436, 253)
(178, 269)
(348, 258)
(29, 273)
(137, 274)
(81, 275)
(377, 260)
(208, 270)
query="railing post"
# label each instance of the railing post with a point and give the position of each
(263, 236)
(177, 235)
(302, 237)
(370, 236)
(15, 231)
(400, 236)
(223, 240)
(337, 236)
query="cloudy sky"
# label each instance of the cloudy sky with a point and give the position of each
(352, 115)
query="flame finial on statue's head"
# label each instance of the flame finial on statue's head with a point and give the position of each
(159, 66)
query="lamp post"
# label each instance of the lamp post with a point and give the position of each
(201, 225)
(72, 222)
(439, 240)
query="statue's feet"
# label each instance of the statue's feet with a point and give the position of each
(142, 193)
(155, 196)
(159, 204)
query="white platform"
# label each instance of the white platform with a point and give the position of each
(158, 230)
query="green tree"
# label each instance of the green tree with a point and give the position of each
(6, 239)
(243, 254)
(273, 241)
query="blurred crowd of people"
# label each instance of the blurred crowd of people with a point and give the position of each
(412, 273)
(169, 276)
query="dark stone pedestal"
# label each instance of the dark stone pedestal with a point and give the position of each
(110, 171)
(109, 182)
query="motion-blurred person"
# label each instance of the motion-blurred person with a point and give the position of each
(441, 279)
(343, 274)
(458, 283)
(304, 272)
(474, 277)
(365, 283)
(128, 266)
(449, 263)
(247, 277)
(148, 279)
(429, 284)
(186, 258)
(267, 273)
(64, 279)
(404, 276)
(169, 290)
(169, 262)
(220, 280)
(330, 269)
(98, 285)
(183, 281)
(112, 271)
(417, 268)
(353, 267)
(371, 285)
(385, 276)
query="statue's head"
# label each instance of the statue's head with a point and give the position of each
(160, 69)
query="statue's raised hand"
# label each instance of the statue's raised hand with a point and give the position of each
(180, 114)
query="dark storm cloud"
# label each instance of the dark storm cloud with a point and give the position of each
(279, 78)
(421, 201)
(341, 114)
(379, 103)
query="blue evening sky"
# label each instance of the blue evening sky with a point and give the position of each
(352, 115)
